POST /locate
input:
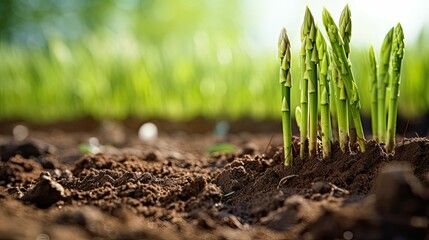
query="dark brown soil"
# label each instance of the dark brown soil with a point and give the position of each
(172, 189)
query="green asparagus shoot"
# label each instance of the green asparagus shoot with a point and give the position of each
(382, 82)
(286, 84)
(344, 65)
(298, 117)
(324, 94)
(341, 103)
(333, 105)
(346, 34)
(373, 89)
(309, 30)
(346, 28)
(304, 94)
(397, 54)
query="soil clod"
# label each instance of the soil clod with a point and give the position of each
(46, 192)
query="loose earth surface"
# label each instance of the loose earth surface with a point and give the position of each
(172, 188)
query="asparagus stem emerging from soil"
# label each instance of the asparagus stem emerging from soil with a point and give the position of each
(373, 89)
(298, 117)
(324, 94)
(342, 106)
(333, 106)
(304, 99)
(397, 53)
(286, 84)
(346, 34)
(382, 81)
(309, 32)
(340, 58)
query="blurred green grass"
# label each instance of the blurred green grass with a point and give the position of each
(176, 68)
(210, 78)
(102, 79)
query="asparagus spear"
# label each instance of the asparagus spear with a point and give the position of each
(309, 32)
(346, 28)
(342, 105)
(298, 117)
(324, 94)
(346, 34)
(304, 100)
(397, 54)
(333, 105)
(382, 81)
(340, 58)
(373, 80)
(286, 84)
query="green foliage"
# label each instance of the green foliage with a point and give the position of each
(220, 148)
(116, 79)
(172, 59)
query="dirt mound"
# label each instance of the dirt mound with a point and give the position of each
(258, 185)
(172, 189)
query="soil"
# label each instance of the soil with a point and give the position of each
(172, 188)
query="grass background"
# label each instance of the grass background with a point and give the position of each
(174, 60)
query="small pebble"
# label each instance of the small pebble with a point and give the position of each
(148, 132)
(320, 187)
(46, 192)
(20, 132)
(146, 177)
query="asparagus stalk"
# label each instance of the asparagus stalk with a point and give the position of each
(343, 63)
(298, 117)
(324, 94)
(286, 84)
(333, 106)
(373, 80)
(397, 54)
(342, 105)
(304, 100)
(346, 34)
(382, 82)
(346, 28)
(309, 32)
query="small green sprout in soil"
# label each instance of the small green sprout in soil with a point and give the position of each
(326, 68)
(220, 148)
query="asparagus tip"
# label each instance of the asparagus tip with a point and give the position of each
(326, 17)
(347, 10)
(346, 22)
(399, 32)
(308, 23)
(282, 43)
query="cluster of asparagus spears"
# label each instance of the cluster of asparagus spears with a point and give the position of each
(385, 81)
(326, 71)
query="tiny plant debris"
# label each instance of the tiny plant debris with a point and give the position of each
(326, 70)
